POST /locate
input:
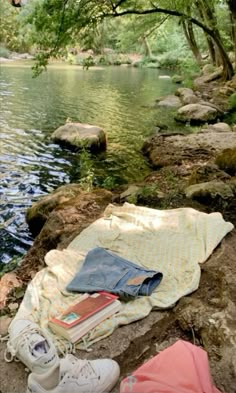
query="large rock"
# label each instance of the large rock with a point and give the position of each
(177, 78)
(58, 218)
(220, 127)
(69, 194)
(200, 81)
(164, 77)
(182, 91)
(79, 135)
(38, 213)
(207, 69)
(170, 101)
(205, 173)
(213, 189)
(196, 113)
(165, 150)
(187, 96)
(232, 83)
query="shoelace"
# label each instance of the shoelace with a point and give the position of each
(23, 336)
(84, 369)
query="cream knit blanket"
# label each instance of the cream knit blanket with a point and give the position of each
(173, 242)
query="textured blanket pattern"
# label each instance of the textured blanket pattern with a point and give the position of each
(173, 242)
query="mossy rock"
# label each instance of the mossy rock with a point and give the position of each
(152, 65)
(227, 161)
(177, 78)
(38, 213)
(79, 135)
(206, 173)
(117, 62)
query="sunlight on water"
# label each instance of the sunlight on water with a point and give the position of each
(118, 99)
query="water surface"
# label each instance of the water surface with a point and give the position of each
(119, 99)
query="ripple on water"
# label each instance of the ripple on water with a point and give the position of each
(31, 109)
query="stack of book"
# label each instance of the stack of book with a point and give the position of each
(83, 316)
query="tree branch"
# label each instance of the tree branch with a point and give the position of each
(60, 28)
(156, 26)
(115, 6)
(163, 11)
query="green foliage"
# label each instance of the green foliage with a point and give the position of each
(86, 170)
(188, 82)
(56, 24)
(109, 183)
(188, 65)
(133, 199)
(14, 34)
(70, 58)
(169, 60)
(5, 268)
(88, 62)
(40, 64)
(4, 52)
(232, 102)
(148, 190)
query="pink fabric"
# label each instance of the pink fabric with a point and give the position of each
(181, 368)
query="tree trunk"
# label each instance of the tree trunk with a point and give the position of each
(228, 71)
(210, 43)
(211, 49)
(189, 34)
(221, 56)
(210, 19)
(147, 49)
(232, 9)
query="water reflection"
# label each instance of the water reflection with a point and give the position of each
(31, 109)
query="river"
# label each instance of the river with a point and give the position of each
(119, 99)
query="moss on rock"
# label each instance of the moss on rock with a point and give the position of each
(227, 161)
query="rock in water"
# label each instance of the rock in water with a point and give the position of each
(196, 113)
(78, 135)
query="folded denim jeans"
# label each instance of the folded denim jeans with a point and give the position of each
(103, 270)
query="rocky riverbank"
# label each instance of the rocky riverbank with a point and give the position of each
(197, 170)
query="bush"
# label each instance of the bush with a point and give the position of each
(126, 60)
(71, 59)
(148, 62)
(88, 62)
(169, 60)
(110, 183)
(4, 52)
(103, 60)
(87, 175)
(188, 65)
(232, 101)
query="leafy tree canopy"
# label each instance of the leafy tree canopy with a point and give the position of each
(58, 23)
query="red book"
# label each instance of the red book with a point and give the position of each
(84, 309)
(83, 316)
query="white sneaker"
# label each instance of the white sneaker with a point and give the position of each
(85, 376)
(31, 345)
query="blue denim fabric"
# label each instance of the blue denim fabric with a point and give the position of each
(104, 271)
